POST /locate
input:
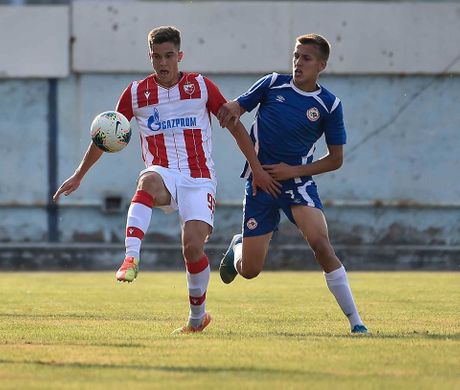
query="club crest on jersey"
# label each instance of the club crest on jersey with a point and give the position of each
(189, 88)
(313, 114)
(251, 224)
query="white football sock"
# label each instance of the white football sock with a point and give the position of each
(197, 280)
(237, 254)
(137, 223)
(337, 282)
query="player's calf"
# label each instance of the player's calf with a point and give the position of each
(325, 254)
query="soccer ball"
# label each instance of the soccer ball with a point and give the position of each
(110, 131)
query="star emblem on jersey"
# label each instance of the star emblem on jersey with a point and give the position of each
(313, 114)
(251, 224)
(189, 88)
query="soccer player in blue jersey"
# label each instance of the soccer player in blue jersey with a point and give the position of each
(294, 111)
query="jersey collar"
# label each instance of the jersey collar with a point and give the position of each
(298, 90)
(181, 77)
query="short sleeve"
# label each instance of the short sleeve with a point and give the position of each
(334, 128)
(254, 95)
(125, 105)
(215, 97)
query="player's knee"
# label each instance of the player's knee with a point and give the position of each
(150, 182)
(192, 251)
(322, 247)
(249, 273)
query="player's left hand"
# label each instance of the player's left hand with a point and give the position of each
(229, 113)
(265, 182)
(281, 171)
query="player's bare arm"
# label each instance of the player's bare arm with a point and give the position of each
(332, 161)
(93, 153)
(230, 113)
(261, 178)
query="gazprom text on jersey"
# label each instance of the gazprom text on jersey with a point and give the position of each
(177, 122)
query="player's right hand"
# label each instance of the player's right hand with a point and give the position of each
(66, 188)
(265, 182)
(229, 112)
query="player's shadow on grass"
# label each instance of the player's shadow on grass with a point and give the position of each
(375, 335)
(86, 316)
(193, 369)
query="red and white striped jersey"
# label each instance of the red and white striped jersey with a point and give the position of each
(174, 123)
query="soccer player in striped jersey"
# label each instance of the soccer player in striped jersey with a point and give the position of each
(294, 111)
(172, 110)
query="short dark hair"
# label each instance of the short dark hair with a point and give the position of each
(320, 42)
(164, 34)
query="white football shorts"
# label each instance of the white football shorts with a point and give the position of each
(194, 198)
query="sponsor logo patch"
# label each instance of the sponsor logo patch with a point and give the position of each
(313, 114)
(280, 98)
(155, 124)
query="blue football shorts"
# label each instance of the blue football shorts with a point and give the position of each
(261, 213)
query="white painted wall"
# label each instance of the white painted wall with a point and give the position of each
(385, 38)
(34, 41)
(257, 37)
(230, 37)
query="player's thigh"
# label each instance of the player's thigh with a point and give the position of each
(194, 235)
(196, 200)
(255, 251)
(260, 213)
(312, 224)
(153, 183)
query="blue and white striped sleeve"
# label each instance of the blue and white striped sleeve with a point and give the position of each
(254, 95)
(334, 128)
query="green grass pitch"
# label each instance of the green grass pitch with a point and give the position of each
(280, 331)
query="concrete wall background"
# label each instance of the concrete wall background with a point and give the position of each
(230, 37)
(398, 188)
(35, 41)
(367, 37)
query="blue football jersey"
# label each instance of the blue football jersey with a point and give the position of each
(289, 121)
